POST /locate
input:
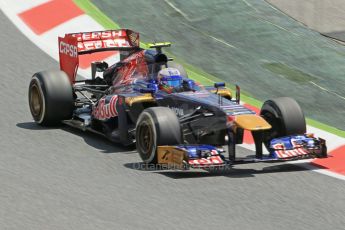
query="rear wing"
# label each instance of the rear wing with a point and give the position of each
(75, 44)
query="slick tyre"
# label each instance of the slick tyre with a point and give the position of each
(156, 126)
(50, 97)
(285, 116)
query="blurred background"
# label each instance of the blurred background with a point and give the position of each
(270, 48)
(325, 16)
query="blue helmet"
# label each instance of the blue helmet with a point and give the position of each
(170, 77)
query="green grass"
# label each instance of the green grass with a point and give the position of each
(204, 78)
(288, 72)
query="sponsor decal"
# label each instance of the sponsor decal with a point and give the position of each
(109, 43)
(87, 36)
(171, 156)
(165, 155)
(214, 152)
(179, 112)
(68, 49)
(198, 94)
(282, 152)
(105, 110)
(102, 39)
(213, 160)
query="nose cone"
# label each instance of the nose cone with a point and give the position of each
(204, 97)
(252, 122)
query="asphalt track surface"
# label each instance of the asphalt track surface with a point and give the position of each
(61, 178)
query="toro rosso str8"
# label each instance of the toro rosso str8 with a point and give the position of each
(147, 99)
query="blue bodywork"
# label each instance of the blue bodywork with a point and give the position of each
(298, 146)
(200, 151)
(291, 142)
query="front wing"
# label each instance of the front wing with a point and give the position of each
(206, 156)
(298, 146)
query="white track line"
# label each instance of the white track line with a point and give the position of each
(48, 40)
(77, 24)
(314, 168)
(18, 6)
(333, 141)
(208, 35)
(326, 90)
(250, 5)
(178, 10)
(9, 11)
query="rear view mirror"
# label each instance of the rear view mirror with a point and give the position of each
(219, 84)
(238, 94)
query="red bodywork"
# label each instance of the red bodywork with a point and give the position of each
(135, 67)
(75, 44)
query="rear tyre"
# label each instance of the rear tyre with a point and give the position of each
(285, 116)
(50, 97)
(180, 68)
(156, 126)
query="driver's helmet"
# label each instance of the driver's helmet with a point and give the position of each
(170, 77)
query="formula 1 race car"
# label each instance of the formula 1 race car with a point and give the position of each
(147, 99)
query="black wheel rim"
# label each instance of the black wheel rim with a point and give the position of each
(146, 139)
(36, 102)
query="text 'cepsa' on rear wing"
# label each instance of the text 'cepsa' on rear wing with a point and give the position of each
(75, 44)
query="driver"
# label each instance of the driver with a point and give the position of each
(170, 80)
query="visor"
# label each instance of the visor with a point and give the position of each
(172, 81)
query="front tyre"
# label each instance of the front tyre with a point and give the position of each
(285, 116)
(50, 97)
(156, 126)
